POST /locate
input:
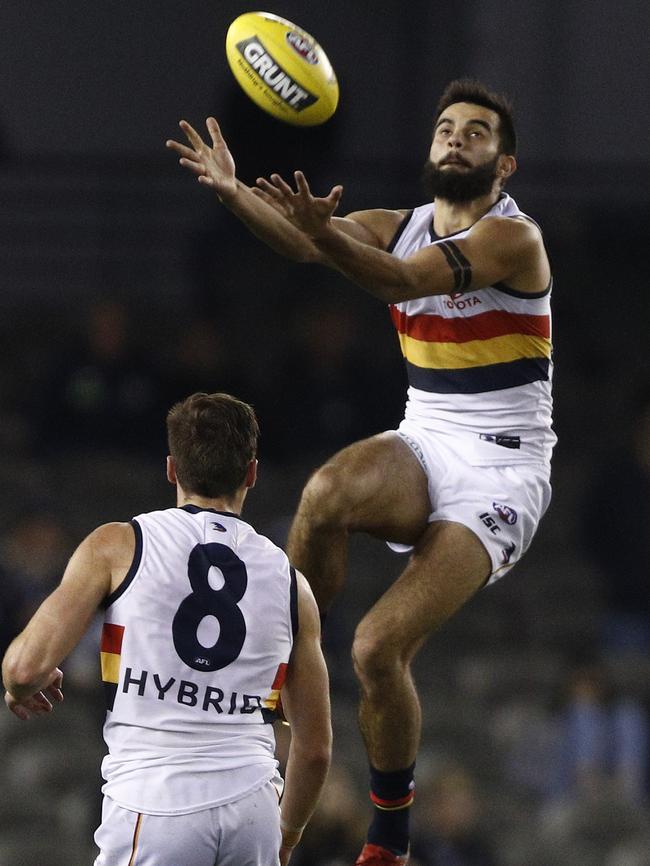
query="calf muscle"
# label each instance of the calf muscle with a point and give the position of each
(448, 566)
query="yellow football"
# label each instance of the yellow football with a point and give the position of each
(282, 68)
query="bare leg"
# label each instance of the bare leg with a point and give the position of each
(448, 566)
(378, 486)
(375, 486)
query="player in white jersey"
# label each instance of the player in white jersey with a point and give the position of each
(206, 625)
(464, 481)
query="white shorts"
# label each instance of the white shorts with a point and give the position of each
(243, 833)
(502, 505)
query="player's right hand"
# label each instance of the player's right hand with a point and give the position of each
(213, 166)
(305, 211)
(290, 839)
(41, 702)
(275, 192)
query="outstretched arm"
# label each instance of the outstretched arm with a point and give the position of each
(30, 671)
(494, 250)
(265, 216)
(305, 700)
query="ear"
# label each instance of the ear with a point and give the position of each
(506, 167)
(171, 469)
(251, 474)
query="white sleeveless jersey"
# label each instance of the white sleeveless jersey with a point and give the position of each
(479, 364)
(194, 652)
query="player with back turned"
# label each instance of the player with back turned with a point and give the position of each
(206, 622)
(464, 481)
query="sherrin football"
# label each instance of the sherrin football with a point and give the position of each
(282, 68)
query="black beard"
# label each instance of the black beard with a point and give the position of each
(459, 187)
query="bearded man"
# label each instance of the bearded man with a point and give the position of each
(463, 482)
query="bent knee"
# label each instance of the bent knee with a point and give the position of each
(376, 657)
(328, 496)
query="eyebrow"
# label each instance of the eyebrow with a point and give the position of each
(472, 120)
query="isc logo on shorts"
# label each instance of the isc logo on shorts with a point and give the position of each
(505, 512)
(490, 522)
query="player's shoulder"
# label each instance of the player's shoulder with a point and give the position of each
(517, 230)
(111, 541)
(111, 533)
(258, 547)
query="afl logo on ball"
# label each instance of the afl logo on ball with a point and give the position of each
(506, 513)
(303, 47)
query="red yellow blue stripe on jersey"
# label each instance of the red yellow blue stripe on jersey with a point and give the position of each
(486, 351)
(271, 700)
(110, 654)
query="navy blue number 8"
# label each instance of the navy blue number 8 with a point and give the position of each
(206, 601)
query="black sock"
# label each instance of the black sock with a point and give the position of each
(392, 794)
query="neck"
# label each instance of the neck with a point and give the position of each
(451, 217)
(233, 503)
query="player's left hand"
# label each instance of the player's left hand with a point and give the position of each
(41, 702)
(213, 166)
(307, 212)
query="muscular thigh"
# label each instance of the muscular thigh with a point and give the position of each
(382, 486)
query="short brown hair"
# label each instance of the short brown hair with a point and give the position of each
(471, 90)
(212, 438)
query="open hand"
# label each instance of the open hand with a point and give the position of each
(307, 212)
(275, 192)
(214, 166)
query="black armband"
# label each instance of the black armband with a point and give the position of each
(460, 266)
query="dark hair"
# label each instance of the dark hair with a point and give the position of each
(212, 438)
(471, 90)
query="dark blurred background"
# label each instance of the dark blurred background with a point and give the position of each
(124, 286)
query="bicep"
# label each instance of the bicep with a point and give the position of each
(494, 251)
(355, 230)
(62, 619)
(86, 581)
(375, 228)
(490, 260)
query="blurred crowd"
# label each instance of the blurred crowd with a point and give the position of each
(106, 377)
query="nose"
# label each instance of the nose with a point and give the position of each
(454, 140)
